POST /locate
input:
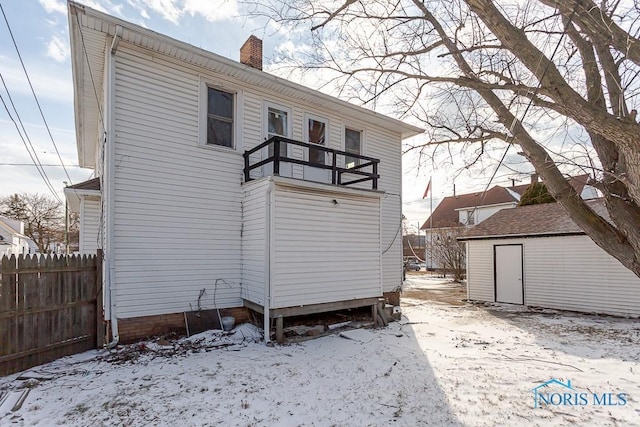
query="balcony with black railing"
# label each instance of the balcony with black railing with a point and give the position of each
(354, 169)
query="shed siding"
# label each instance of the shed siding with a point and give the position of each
(324, 252)
(178, 206)
(254, 240)
(480, 270)
(90, 227)
(567, 273)
(572, 273)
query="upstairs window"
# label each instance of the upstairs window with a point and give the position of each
(316, 134)
(353, 145)
(470, 218)
(219, 117)
(277, 125)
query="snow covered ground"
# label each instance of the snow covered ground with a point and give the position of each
(443, 364)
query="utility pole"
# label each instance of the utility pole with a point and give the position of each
(66, 223)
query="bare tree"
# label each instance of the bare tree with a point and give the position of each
(43, 217)
(448, 252)
(533, 74)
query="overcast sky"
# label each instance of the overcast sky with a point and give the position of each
(40, 28)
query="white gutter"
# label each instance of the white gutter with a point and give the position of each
(110, 154)
(269, 246)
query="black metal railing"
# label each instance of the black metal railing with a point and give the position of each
(363, 163)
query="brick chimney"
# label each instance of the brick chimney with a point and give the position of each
(534, 178)
(251, 52)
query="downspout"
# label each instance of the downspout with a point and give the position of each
(269, 263)
(380, 254)
(110, 160)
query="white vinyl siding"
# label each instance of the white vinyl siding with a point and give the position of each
(572, 273)
(564, 272)
(324, 251)
(386, 146)
(480, 270)
(254, 240)
(178, 207)
(90, 227)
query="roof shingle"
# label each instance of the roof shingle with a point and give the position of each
(445, 214)
(532, 220)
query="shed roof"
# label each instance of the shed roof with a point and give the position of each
(527, 221)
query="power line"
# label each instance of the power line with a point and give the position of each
(28, 143)
(34, 94)
(46, 166)
(535, 92)
(36, 163)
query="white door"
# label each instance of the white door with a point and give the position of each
(317, 132)
(278, 123)
(508, 274)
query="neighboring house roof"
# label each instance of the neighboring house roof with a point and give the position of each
(74, 193)
(91, 184)
(8, 231)
(546, 219)
(446, 213)
(91, 32)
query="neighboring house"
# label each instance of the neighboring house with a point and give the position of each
(536, 255)
(466, 210)
(225, 187)
(13, 241)
(85, 198)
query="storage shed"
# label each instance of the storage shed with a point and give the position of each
(536, 255)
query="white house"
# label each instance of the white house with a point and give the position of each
(85, 199)
(224, 187)
(454, 213)
(536, 255)
(13, 241)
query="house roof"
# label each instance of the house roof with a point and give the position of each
(446, 215)
(9, 230)
(91, 34)
(534, 220)
(578, 182)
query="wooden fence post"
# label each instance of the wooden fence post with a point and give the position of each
(99, 308)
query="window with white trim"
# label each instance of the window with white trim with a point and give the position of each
(316, 134)
(277, 125)
(353, 145)
(220, 117)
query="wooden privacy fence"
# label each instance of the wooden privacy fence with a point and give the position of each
(50, 306)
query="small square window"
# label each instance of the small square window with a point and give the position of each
(470, 218)
(219, 117)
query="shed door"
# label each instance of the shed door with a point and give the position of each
(508, 273)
